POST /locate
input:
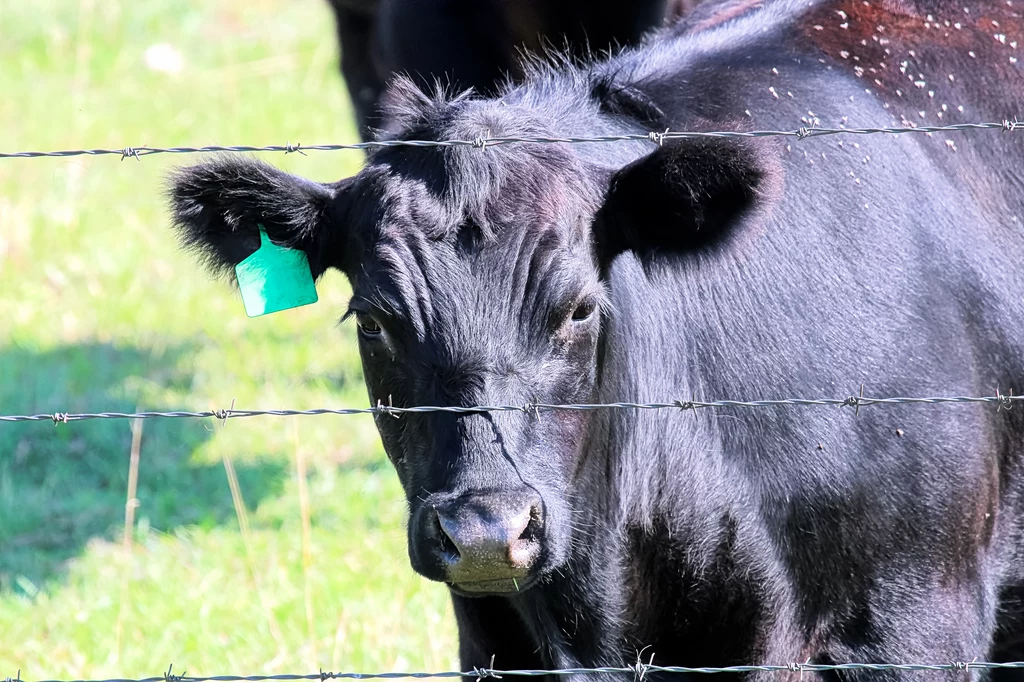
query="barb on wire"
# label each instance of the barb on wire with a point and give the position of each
(640, 668)
(1002, 402)
(483, 673)
(483, 142)
(637, 670)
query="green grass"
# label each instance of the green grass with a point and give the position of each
(100, 311)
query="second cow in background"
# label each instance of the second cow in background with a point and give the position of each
(475, 43)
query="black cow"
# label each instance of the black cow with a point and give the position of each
(711, 268)
(475, 43)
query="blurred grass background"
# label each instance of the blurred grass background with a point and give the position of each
(100, 311)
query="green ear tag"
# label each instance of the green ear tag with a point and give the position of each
(274, 278)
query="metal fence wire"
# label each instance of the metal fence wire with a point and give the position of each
(856, 401)
(639, 671)
(484, 141)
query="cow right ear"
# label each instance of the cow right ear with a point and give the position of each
(685, 196)
(219, 206)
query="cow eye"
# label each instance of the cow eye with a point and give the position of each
(367, 325)
(584, 310)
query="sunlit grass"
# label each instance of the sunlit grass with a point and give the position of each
(99, 310)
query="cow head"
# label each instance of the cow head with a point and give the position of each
(478, 278)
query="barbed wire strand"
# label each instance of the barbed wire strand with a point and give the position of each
(639, 670)
(1000, 400)
(1008, 125)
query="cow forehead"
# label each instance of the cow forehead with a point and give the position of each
(488, 185)
(478, 215)
(525, 261)
(456, 234)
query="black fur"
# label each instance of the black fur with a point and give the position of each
(727, 269)
(474, 43)
(686, 196)
(627, 101)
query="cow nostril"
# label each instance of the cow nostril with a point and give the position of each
(447, 544)
(532, 531)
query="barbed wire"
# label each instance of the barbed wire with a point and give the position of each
(1002, 402)
(639, 670)
(1008, 125)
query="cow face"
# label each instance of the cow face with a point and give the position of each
(477, 280)
(466, 301)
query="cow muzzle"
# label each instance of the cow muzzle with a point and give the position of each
(482, 542)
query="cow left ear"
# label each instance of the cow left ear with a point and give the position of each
(686, 196)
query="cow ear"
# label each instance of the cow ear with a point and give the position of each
(685, 196)
(219, 206)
